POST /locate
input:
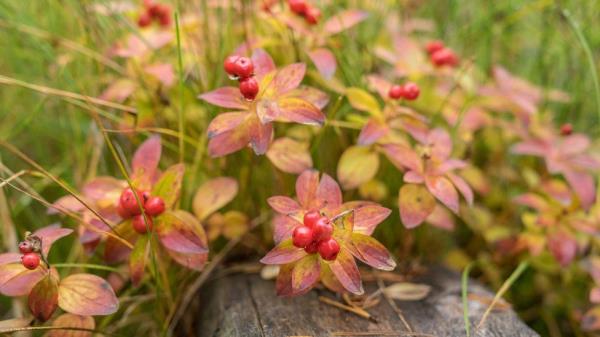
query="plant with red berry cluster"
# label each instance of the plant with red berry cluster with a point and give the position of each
(281, 98)
(318, 237)
(440, 55)
(153, 11)
(23, 275)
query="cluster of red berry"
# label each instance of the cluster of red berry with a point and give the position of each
(409, 91)
(310, 13)
(241, 68)
(31, 254)
(566, 129)
(154, 11)
(315, 236)
(440, 54)
(128, 208)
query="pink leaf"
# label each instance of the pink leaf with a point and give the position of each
(283, 205)
(168, 186)
(450, 165)
(345, 270)
(285, 252)
(284, 282)
(583, 184)
(195, 261)
(564, 248)
(316, 97)
(10, 258)
(413, 177)
(145, 161)
(228, 142)
(573, 144)
(288, 78)
(68, 203)
(306, 273)
(16, 280)
(292, 109)
(119, 90)
(403, 157)
(289, 155)
(306, 188)
(415, 204)
(263, 63)
(329, 194)
(530, 147)
(371, 252)
(260, 135)
(87, 295)
(224, 122)
(50, 234)
(43, 298)
(444, 191)
(440, 142)
(462, 186)
(71, 322)
(283, 227)
(344, 20)
(324, 60)
(179, 231)
(163, 72)
(367, 217)
(372, 131)
(441, 218)
(226, 97)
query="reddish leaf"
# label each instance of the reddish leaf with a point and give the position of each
(403, 157)
(413, 177)
(371, 252)
(444, 191)
(357, 165)
(462, 186)
(180, 233)
(87, 295)
(315, 96)
(344, 20)
(68, 203)
(267, 110)
(440, 142)
(283, 285)
(225, 97)
(260, 135)
(16, 280)
(450, 165)
(81, 323)
(329, 280)
(104, 189)
(345, 270)
(372, 131)
(191, 261)
(573, 144)
(263, 63)
(145, 161)
(10, 258)
(289, 155)
(50, 234)
(119, 90)
(288, 78)
(292, 109)
(530, 147)
(43, 298)
(415, 204)
(168, 186)
(306, 188)
(115, 250)
(224, 122)
(306, 273)
(229, 141)
(367, 217)
(283, 205)
(583, 184)
(213, 195)
(283, 226)
(564, 248)
(324, 60)
(441, 218)
(163, 72)
(329, 194)
(137, 259)
(285, 252)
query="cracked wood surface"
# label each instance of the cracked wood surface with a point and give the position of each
(245, 305)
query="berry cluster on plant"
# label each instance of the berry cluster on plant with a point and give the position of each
(129, 207)
(241, 68)
(441, 55)
(315, 236)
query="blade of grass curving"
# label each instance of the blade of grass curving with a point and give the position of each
(465, 300)
(503, 289)
(87, 266)
(180, 69)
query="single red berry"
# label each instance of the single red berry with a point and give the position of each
(396, 91)
(329, 249)
(312, 247)
(30, 260)
(244, 68)
(154, 206)
(139, 225)
(302, 236)
(322, 229)
(25, 247)
(433, 46)
(312, 15)
(444, 57)
(311, 217)
(229, 64)
(566, 129)
(410, 91)
(144, 20)
(298, 6)
(128, 202)
(249, 88)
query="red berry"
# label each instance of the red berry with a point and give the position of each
(154, 206)
(329, 249)
(229, 64)
(164, 17)
(322, 229)
(298, 6)
(139, 225)
(434, 46)
(311, 217)
(25, 247)
(154, 9)
(566, 129)
(122, 211)
(144, 20)
(249, 88)
(30, 260)
(444, 57)
(129, 203)
(312, 15)
(244, 68)
(411, 91)
(302, 236)
(396, 91)
(312, 247)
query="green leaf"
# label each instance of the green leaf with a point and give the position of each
(363, 101)
(306, 273)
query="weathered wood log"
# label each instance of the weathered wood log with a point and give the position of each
(245, 305)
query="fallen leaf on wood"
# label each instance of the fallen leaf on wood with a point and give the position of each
(406, 291)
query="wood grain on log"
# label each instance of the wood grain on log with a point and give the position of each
(245, 305)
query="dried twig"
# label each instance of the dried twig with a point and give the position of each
(380, 333)
(392, 304)
(355, 310)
